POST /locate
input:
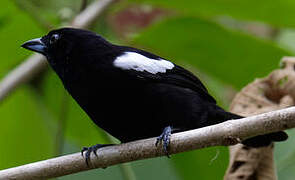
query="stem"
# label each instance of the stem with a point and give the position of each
(127, 171)
(62, 124)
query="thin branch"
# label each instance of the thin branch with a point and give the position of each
(127, 171)
(91, 13)
(228, 133)
(37, 63)
(21, 74)
(63, 114)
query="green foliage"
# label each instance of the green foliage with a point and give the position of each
(201, 163)
(12, 20)
(19, 115)
(285, 156)
(276, 12)
(24, 135)
(36, 117)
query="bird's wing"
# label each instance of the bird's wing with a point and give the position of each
(149, 67)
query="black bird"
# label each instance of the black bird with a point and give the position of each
(130, 93)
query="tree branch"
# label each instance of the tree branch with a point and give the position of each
(37, 63)
(228, 133)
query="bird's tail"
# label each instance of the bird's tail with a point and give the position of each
(262, 140)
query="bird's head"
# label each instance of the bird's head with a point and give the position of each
(65, 45)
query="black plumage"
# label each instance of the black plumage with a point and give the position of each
(130, 93)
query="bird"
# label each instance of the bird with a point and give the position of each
(130, 93)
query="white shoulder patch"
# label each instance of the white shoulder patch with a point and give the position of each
(138, 62)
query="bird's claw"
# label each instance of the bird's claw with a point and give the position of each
(91, 149)
(165, 139)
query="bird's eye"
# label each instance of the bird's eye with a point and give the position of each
(54, 38)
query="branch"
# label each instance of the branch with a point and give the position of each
(37, 63)
(228, 133)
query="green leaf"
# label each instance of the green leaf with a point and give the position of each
(285, 156)
(16, 28)
(208, 163)
(276, 12)
(24, 136)
(233, 57)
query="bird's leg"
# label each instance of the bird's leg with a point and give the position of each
(92, 149)
(165, 139)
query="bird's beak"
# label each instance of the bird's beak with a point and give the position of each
(35, 45)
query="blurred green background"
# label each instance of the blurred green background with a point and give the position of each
(226, 43)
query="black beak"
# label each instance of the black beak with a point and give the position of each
(35, 45)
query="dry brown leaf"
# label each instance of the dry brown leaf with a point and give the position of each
(276, 91)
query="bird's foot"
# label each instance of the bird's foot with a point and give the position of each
(92, 149)
(165, 139)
